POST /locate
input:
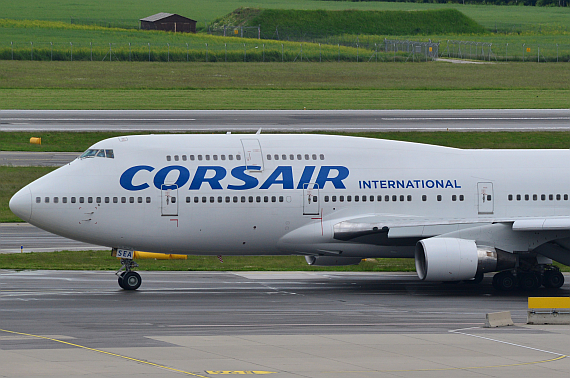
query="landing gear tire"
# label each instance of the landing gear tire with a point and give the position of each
(120, 280)
(130, 280)
(504, 281)
(553, 279)
(528, 281)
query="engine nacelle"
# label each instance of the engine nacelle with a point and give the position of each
(452, 259)
(332, 260)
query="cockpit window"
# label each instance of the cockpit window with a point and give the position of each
(98, 153)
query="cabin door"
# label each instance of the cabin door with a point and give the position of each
(311, 199)
(169, 199)
(486, 198)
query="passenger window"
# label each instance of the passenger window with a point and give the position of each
(235, 199)
(348, 198)
(326, 198)
(291, 157)
(106, 199)
(526, 197)
(356, 198)
(98, 199)
(242, 199)
(363, 198)
(132, 199)
(401, 198)
(454, 197)
(518, 197)
(55, 199)
(306, 156)
(566, 197)
(89, 199)
(139, 200)
(510, 197)
(322, 157)
(488, 197)
(200, 157)
(123, 200)
(228, 199)
(387, 198)
(184, 158)
(212, 199)
(204, 200)
(268, 157)
(276, 157)
(439, 197)
(558, 197)
(424, 198)
(534, 197)
(168, 158)
(230, 157)
(173, 199)
(115, 200)
(192, 157)
(196, 199)
(176, 157)
(38, 200)
(81, 200)
(220, 199)
(314, 156)
(543, 197)
(72, 199)
(394, 198)
(207, 157)
(283, 157)
(147, 199)
(238, 157)
(550, 197)
(215, 157)
(409, 198)
(341, 198)
(265, 199)
(461, 197)
(379, 198)
(223, 157)
(64, 199)
(280, 198)
(188, 199)
(299, 157)
(258, 199)
(46, 200)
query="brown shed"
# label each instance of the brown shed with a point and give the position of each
(169, 22)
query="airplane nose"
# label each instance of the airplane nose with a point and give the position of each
(21, 204)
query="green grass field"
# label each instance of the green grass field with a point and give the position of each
(128, 12)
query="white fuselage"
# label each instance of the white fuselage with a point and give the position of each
(289, 194)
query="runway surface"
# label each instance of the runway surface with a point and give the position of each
(23, 237)
(285, 120)
(36, 159)
(282, 324)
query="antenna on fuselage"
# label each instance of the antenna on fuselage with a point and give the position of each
(258, 131)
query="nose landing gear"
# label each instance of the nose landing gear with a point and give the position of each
(128, 280)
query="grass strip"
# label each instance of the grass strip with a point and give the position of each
(232, 99)
(369, 76)
(102, 260)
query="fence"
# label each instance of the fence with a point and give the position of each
(525, 52)
(200, 52)
(355, 50)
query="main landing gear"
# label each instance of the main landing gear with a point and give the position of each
(549, 277)
(128, 280)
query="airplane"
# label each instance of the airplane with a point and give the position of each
(336, 200)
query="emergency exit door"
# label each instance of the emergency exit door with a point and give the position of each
(252, 154)
(486, 198)
(169, 199)
(311, 199)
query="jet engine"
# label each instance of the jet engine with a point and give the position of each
(332, 260)
(452, 259)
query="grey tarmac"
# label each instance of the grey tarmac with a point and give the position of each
(286, 120)
(281, 324)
